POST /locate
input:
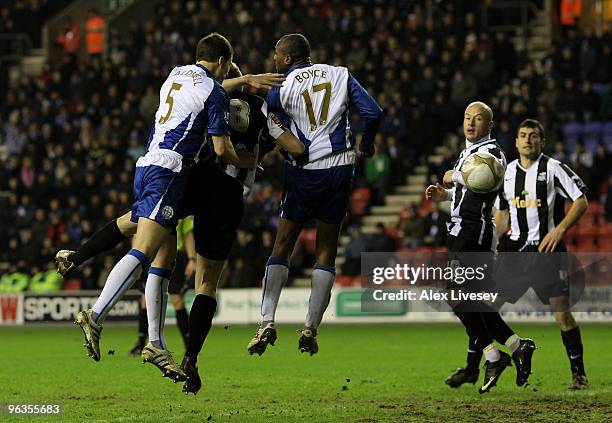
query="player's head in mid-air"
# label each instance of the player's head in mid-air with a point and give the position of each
(477, 121)
(215, 53)
(530, 139)
(291, 49)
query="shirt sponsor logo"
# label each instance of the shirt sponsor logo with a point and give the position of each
(518, 203)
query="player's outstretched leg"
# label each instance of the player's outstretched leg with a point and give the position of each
(119, 280)
(570, 334)
(495, 364)
(320, 294)
(275, 277)
(156, 351)
(264, 335)
(468, 374)
(200, 318)
(522, 349)
(106, 238)
(92, 332)
(322, 282)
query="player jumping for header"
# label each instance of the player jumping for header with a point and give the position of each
(314, 103)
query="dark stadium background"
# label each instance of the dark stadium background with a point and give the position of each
(72, 123)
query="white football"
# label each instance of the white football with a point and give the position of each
(482, 172)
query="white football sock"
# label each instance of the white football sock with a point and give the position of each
(120, 279)
(491, 353)
(513, 343)
(277, 273)
(156, 295)
(320, 290)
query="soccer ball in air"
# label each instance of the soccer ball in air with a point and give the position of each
(482, 172)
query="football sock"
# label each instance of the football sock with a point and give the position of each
(109, 236)
(120, 279)
(513, 343)
(474, 355)
(182, 321)
(498, 329)
(156, 294)
(320, 289)
(200, 322)
(275, 277)
(476, 330)
(142, 325)
(491, 353)
(573, 347)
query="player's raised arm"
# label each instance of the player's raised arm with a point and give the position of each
(263, 81)
(369, 110)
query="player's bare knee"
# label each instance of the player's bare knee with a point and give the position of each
(565, 320)
(208, 289)
(126, 226)
(327, 257)
(178, 303)
(286, 236)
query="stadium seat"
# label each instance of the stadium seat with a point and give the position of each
(588, 228)
(605, 243)
(572, 132)
(586, 244)
(607, 135)
(72, 285)
(348, 281)
(592, 135)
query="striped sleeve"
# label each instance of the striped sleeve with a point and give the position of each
(567, 182)
(501, 203)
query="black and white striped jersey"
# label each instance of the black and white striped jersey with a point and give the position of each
(471, 213)
(531, 194)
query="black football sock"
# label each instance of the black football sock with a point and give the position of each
(573, 347)
(182, 321)
(200, 322)
(143, 325)
(498, 329)
(474, 326)
(109, 236)
(474, 355)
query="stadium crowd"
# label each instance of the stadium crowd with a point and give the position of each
(70, 136)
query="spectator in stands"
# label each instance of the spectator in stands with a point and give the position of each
(380, 241)
(435, 227)
(559, 152)
(69, 38)
(78, 129)
(378, 172)
(415, 229)
(352, 252)
(602, 168)
(581, 160)
(95, 28)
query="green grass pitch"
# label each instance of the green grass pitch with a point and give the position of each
(363, 373)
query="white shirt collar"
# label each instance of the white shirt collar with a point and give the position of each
(468, 144)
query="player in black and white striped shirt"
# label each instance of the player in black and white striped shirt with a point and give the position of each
(471, 230)
(533, 196)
